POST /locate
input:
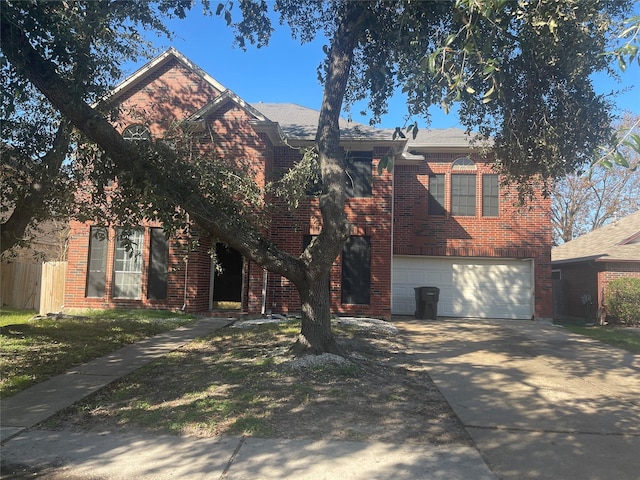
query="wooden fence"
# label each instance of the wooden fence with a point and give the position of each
(33, 286)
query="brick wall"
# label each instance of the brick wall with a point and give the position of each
(369, 216)
(75, 289)
(590, 278)
(613, 271)
(517, 232)
(170, 94)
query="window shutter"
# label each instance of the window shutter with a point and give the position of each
(97, 262)
(356, 271)
(158, 265)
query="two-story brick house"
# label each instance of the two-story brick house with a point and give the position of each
(440, 218)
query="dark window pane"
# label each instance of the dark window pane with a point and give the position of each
(463, 195)
(97, 263)
(490, 196)
(158, 265)
(358, 175)
(436, 195)
(356, 271)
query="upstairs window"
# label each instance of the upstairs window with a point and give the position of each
(490, 196)
(136, 133)
(463, 195)
(358, 174)
(436, 195)
(460, 191)
(463, 163)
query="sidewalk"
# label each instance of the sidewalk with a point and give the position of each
(111, 456)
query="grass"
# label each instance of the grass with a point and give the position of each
(10, 316)
(207, 387)
(245, 382)
(623, 338)
(33, 349)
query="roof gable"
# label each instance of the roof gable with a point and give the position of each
(218, 102)
(146, 71)
(617, 241)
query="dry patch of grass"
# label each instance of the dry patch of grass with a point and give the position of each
(243, 382)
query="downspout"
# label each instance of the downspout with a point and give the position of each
(265, 277)
(212, 280)
(393, 221)
(186, 272)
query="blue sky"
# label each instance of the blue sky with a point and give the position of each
(285, 71)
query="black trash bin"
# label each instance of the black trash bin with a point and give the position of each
(427, 302)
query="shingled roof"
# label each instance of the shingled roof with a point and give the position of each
(301, 123)
(617, 241)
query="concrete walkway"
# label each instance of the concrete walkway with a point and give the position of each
(107, 455)
(539, 402)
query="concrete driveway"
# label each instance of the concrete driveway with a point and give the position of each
(540, 402)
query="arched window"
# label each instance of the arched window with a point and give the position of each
(463, 163)
(136, 133)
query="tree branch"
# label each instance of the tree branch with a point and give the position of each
(42, 74)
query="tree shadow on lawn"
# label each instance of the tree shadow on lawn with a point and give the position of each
(244, 383)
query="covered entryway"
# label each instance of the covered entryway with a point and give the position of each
(469, 287)
(227, 285)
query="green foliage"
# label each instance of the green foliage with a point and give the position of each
(296, 183)
(521, 71)
(628, 51)
(623, 300)
(87, 41)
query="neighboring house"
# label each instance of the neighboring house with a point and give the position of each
(583, 267)
(441, 218)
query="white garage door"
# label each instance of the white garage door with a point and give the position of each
(469, 287)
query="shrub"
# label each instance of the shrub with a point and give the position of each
(623, 300)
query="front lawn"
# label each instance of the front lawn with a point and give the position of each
(35, 348)
(625, 338)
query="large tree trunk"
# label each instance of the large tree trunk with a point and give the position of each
(316, 336)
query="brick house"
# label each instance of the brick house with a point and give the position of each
(440, 218)
(583, 267)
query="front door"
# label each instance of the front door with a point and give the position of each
(227, 279)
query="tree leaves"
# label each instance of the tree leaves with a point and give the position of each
(628, 51)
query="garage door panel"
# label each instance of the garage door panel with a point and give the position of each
(494, 288)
